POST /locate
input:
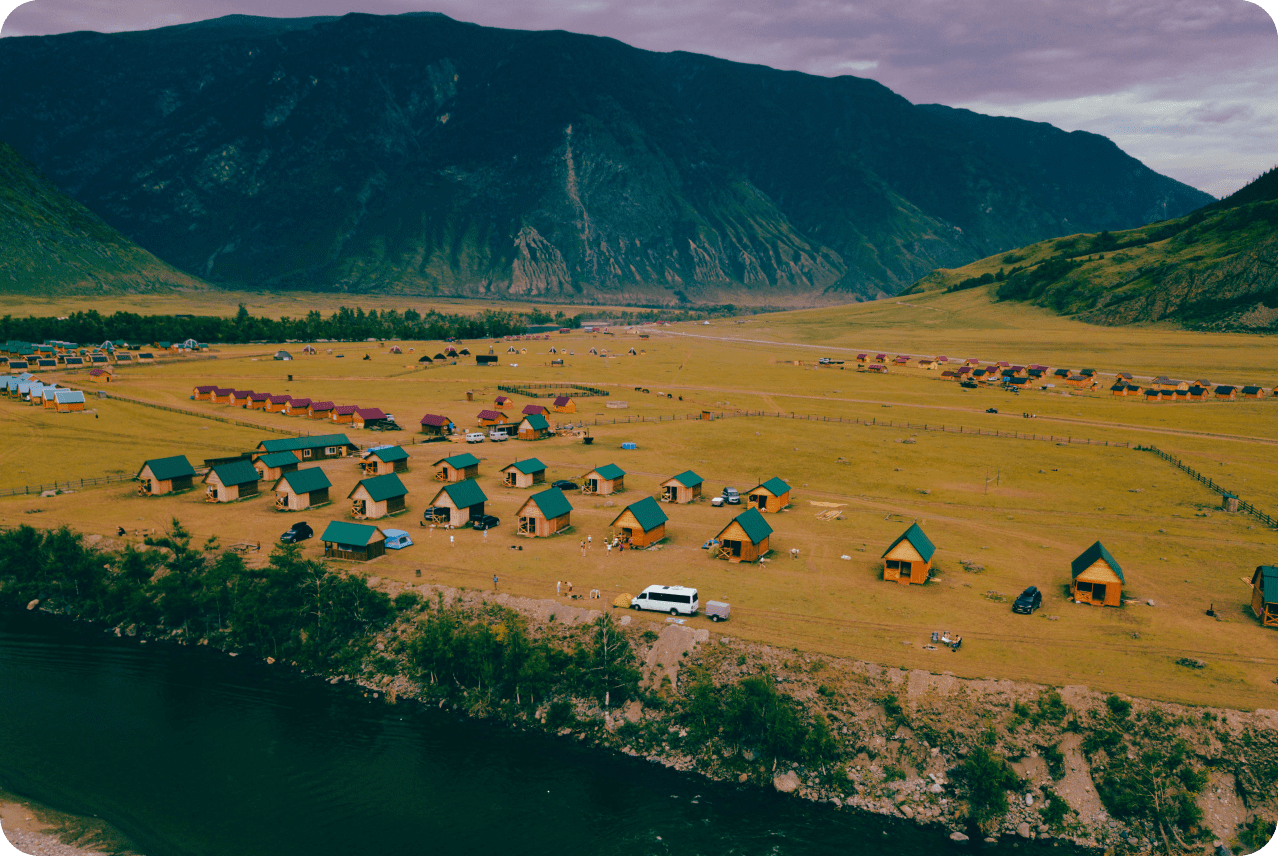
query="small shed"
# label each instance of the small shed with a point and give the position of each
(544, 514)
(463, 501)
(564, 404)
(533, 427)
(283, 356)
(159, 476)
(641, 523)
(909, 559)
(230, 481)
(455, 468)
(1097, 578)
(272, 466)
(381, 460)
(367, 417)
(524, 473)
(1264, 595)
(604, 480)
(379, 496)
(49, 397)
(101, 375)
(487, 418)
(502, 402)
(434, 425)
(344, 413)
(278, 403)
(745, 539)
(68, 400)
(683, 488)
(358, 541)
(771, 496)
(301, 489)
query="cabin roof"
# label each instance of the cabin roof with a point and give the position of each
(172, 467)
(552, 502)
(321, 405)
(389, 454)
(608, 472)
(351, 534)
(382, 488)
(296, 402)
(459, 462)
(1268, 577)
(69, 396)
(295, 444)
(528, 467)
(537, 422)
(234, 472)
(279, 459)
(647, 511)
(346, 409)
(1224, 390)
(756, 528)
(490, 414)
(1089, 557)
(305, 481)
(465, 493)
(688, 478)
(561, 400)
(530, 409)
(280, 399)
(435, 420)
(918, 540)
(774, 486)
(367, 413)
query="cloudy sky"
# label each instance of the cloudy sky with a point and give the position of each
(1188, 86)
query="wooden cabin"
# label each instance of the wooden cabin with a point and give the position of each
(385, 459)
(771, 496)
(1230, 392)
(49, 398)
(527, 473)
(379, 496)
(101, 375)
(297, 407)
(356, 541)
(683, 488)
(544, 514)
(159, 476)
(1097, 578)
(459, 503)
(316, 448)
(320, 410)
(258, 400)
(434, 425)
(641, 523)
(1264, 595)
(745, 539)
(1119, 388)
(1253, 392)
(272, 466)
(909, 558)
(343, 414)
(1153, 395)
(457, 468)
(604, 480)
(68, 400)
(501, 402)
(1199, 393)
(367, 417)
(240, 397)
(298, 490)
(564, 404)
(277, 403)
(222, 395)
(230, 481)
(533, 428)
(534, 410)
(488, 418)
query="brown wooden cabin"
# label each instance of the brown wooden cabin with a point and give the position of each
(257, 400)
(101, 375)
(458, 503)
(534, 410)
(683, 488)
(908, 560)
(230, 482)
(297, 407)
(160, 476)
(240, 397)
(544, 514)
(387, 459)
(564, 404)
(271, 466)
(527, 473)
(641, 523)
(1264, 595)
(434, 425)
(302, 489)
(1253, 392)
(278, 403)
(344, 413)
(366, 416)
(745, 539)
(488, 418)
(379, 496)
(457, 468)
(501, 402)
(68, 400)
(356, 541)
(533, 427)
(223, 396)
(604, 480)
(1229, 392)
(319, 410)
(771, 496)
(1097, 578)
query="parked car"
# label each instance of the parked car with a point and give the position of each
(437, 513)
(564, 484)
(498, 435)
(397, 539)
(299, 531)
(991, 410)
(731, 496)
(485, 521)
(475, 437)
(1028, 601)
(717, 610)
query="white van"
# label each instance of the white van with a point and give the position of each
(676, 600)
(475, 437)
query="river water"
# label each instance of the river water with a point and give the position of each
(190, 752)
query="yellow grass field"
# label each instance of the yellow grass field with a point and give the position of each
(1020, 509)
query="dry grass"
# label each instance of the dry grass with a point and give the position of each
(1049, 503)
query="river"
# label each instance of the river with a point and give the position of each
(194, 753)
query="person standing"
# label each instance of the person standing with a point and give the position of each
(558, 585)
(494, 582)
(590, 542)
(451, 541)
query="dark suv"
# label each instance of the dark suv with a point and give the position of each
(299, 531)
(565, 484)
(1029, 600)
(487, 521)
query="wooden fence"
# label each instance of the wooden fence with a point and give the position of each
(1211, 485)
(200, 415)
(70, 484)
(551, 390)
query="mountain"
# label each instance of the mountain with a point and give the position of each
(50, 244)
(415, 153)
(1214, 269)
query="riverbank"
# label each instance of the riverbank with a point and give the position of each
(42, 831)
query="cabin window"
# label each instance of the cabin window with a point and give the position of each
(893, 565)
(1082, 586)
(528, 525)
(330, 450)
(306, 453)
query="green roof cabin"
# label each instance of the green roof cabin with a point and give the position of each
(745, 539)
(458, 503)
(909, 559)
(457, 468)
(604, 480)
(524, 473)
(159, 476)
(273, 465)
(316, 448)
(683, 488)
(380, 496)
(231, 481)
(533, 427)
(641, 523)
(383, 460)
(771, 496)
(1098, 579)
(1264, 595)
(544, 514)
(357, 541)
(302, 489)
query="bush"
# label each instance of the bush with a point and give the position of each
(560, 715)
(1054, 810)
(988, 779)
(1256, 833)
(1051, 708)
(1055, 760)
(1118, 707)
(407, 601)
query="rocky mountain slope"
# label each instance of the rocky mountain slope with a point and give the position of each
(421, 154)
(1216, 268)
(49, 243)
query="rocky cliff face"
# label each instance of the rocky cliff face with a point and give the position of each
(420, 154)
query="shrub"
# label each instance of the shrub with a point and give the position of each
(1054, 810)
(1051, 708)
(560, 715)
(893, 773)
(1055, 760)
(408, 600)
(988, 779)
(1118, 707)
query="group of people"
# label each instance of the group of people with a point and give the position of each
(565, 589)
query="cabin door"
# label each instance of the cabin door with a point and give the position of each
(510, 479)
(359, 508)
(759, 501)
(1098, 592)
(281, 501)
(733, 547)
(592, 485)
(670, 494)
(528, 525)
